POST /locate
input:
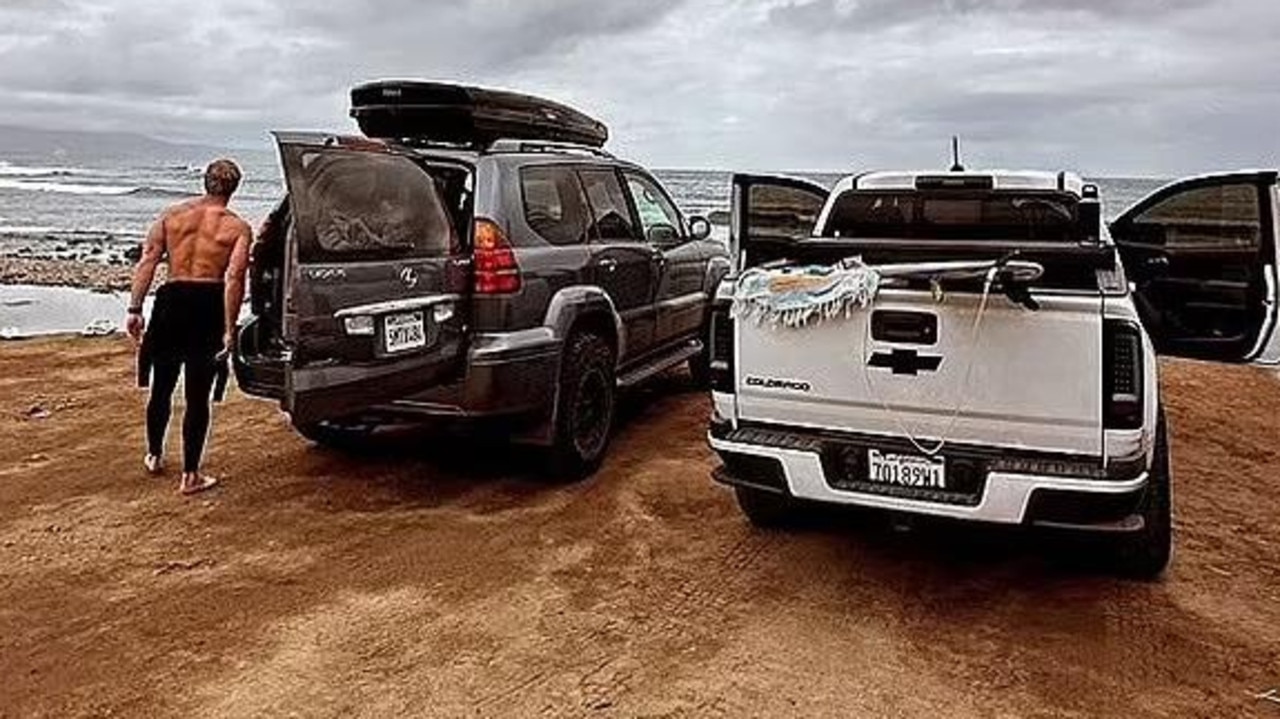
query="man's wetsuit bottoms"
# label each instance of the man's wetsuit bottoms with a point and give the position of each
(185, 331)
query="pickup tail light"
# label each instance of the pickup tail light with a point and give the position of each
(496, 270)
(1122, 383)
(721, 348)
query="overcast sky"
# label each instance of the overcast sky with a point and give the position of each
(1104, 86)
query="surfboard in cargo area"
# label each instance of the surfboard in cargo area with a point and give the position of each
(463, 115)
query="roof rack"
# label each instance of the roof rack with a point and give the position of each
(508, 145)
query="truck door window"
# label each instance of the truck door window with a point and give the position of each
(782, 213)
(1216, 217)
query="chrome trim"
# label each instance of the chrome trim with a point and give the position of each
(1004, 500)
(406, 305)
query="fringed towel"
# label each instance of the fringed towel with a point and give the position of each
(795, 296)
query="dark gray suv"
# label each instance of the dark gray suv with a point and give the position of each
(521, 280)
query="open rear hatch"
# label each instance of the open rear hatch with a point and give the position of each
(377, 272)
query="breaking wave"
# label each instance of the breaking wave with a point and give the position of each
(8, 169)
(72, 188)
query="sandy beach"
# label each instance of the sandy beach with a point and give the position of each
(432, 578)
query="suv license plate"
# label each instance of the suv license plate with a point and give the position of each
(905, 470)
(402, 333)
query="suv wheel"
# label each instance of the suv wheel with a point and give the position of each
(766, 509)
(584, 407)
(1145, 554)
(337, 435)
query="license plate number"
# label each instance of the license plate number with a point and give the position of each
(402, 333)
(904, 470)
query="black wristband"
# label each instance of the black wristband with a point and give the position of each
(135, 310)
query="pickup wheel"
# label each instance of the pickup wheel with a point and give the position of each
(1145, 554)
(584, 408)
(767, 510)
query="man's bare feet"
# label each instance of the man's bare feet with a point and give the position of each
(195, 483)
(153, 464)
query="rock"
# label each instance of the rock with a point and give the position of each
(100, 327)
(37, 411)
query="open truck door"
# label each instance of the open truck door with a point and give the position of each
(1201, 256)
(770, 214)
(378, 269)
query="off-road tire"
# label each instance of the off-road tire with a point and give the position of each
(1145, 554)
(767, 510)
(585, 407)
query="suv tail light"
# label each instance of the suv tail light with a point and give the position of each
(1122, 380)
(497, 272)
(721, 348)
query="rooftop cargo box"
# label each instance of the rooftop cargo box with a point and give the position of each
(457, 114)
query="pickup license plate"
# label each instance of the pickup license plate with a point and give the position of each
(905, 470)
(402, 333)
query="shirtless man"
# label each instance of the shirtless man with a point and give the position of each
(193, 322)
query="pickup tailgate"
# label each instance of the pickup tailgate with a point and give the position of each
(1028, 380)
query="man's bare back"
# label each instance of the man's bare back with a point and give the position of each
(199, 239)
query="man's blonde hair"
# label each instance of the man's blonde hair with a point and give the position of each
(222, 178)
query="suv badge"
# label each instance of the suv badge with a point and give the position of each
(908, 362)
(786, 385)
(409, 277)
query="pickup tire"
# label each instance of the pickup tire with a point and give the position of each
(585, 405)
(768, 510)
(1145, 554)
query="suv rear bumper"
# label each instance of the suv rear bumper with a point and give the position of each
(511, 373)
(1065, 502)
(506, 374)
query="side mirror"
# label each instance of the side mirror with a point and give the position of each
(699, 228)
(663, 236)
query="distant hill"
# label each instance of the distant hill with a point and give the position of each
(22, 143)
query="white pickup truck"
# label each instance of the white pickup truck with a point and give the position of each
(991, 397)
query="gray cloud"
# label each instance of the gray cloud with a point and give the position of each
(1115, 86)
(871, 15)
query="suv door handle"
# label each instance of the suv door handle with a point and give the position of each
(608, 264)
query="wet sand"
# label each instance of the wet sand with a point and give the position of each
(433, 578)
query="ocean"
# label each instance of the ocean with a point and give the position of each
(95, 210)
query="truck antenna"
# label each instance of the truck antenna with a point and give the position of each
(955, 154)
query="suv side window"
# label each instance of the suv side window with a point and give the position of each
(658, 217)
(611, 217)
(554, 205)
(1212, 217)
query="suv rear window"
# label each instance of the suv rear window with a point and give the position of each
(993, 215)
(554, 205)
(352, 206)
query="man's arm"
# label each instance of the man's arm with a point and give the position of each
(234, 279)
(143, 275)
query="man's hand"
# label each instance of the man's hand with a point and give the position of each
(229, 341)
(135, 325)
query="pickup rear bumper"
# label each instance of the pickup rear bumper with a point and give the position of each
(797, 468)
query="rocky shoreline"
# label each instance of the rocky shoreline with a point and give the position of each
(67, 273)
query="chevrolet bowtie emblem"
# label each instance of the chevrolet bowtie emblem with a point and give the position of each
(908, 362)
